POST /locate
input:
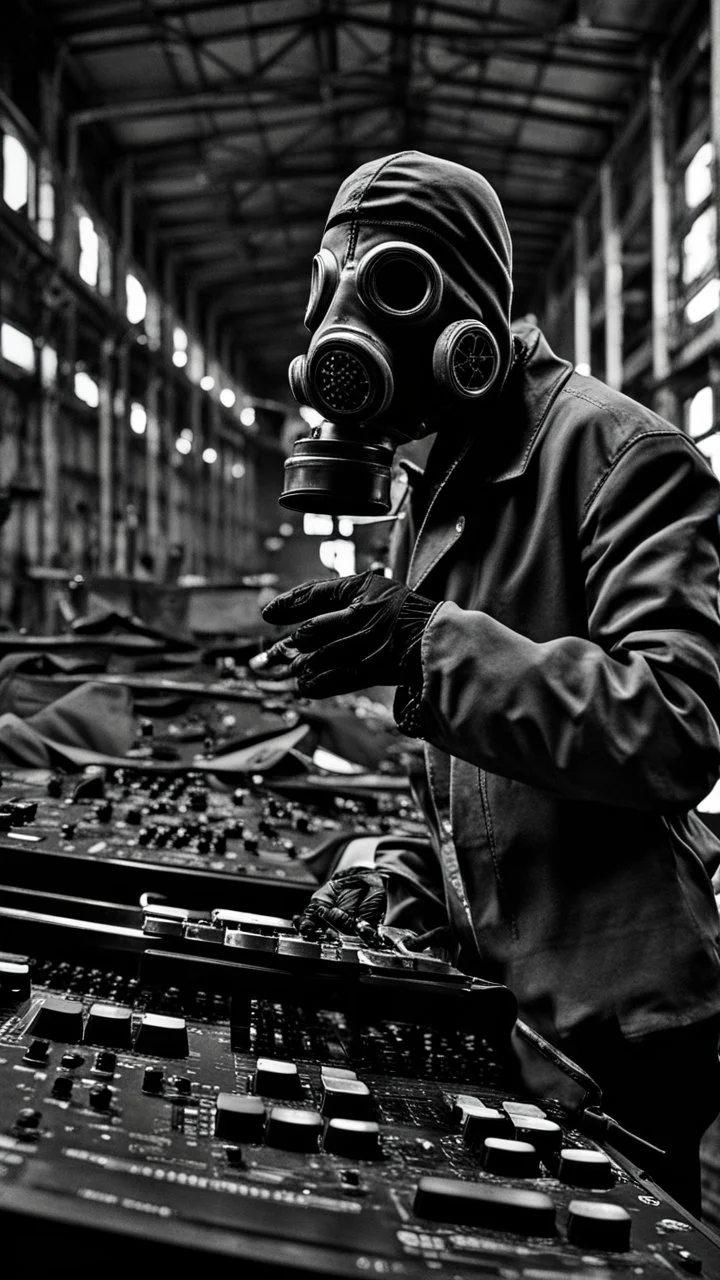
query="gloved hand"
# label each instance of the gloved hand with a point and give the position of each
(353, 902)
(355, 632)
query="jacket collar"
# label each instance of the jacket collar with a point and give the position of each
(533, 386)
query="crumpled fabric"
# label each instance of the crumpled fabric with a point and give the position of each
(93, 716)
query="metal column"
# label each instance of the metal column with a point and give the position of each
(612, 281)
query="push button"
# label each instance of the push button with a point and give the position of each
(598, 1226)
(581, 1168)
(545, 1136)
(350, 1099)
(512, 1209)
(239, 1118)
(274, 1079)
(58, 1019)
(162, 1036)
(356, 1139)
(483, 1122)
(109, 1024)
(294, 1130)
(510, 1159)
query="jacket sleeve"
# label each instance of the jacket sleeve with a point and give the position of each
(629, 713)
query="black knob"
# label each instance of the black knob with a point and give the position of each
(146, 727)
(38, 1051)
(105, 1062)
(55, 787)
(153, 1080)
(62, 1088)
(100, 1097)
(67, 830)
(104, 811)
(197, 799)
(144, 835)
(133, 817)
(71, 1060)
(25, 811)
(6, 818)
(181, 1085)
(239, 795)
(28, 1118)
(250, 841)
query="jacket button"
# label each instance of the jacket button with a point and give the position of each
(460, 524)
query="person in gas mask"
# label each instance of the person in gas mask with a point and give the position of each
(551, 627)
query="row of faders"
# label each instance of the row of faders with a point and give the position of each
(177, 1120)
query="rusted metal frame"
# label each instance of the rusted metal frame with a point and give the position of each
(612, 279)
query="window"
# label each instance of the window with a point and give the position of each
(17, 174)
(699, 245)
(89, 261)
(17, 347)
(699, 412)
(711, 449)
(138, 418)
(698, 176)
(86, 389)
(46, 205)
(704, 302)
(136, 299)
(180, 347)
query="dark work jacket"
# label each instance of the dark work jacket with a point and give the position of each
(571, 700)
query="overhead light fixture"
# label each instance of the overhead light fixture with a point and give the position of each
(247, 415)
(227, 397)
(207, 382)
(210, 455)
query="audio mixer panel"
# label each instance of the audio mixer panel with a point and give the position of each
(153, 1114)
(123, 832)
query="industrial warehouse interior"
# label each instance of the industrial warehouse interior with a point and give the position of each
(360, 637)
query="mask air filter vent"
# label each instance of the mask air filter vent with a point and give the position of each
(342, 382)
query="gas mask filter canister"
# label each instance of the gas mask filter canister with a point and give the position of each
(350, 373)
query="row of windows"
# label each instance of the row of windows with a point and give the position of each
(23, 192)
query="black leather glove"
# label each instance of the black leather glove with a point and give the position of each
(354, 632)
(352, 902)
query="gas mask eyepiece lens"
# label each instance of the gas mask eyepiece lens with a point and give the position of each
(400, 281)
(323, 283)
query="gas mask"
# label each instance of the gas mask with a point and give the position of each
(400, 343)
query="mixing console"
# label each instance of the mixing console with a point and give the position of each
(181, 1089)
(123, 832)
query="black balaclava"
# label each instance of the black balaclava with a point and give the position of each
(409, 313)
